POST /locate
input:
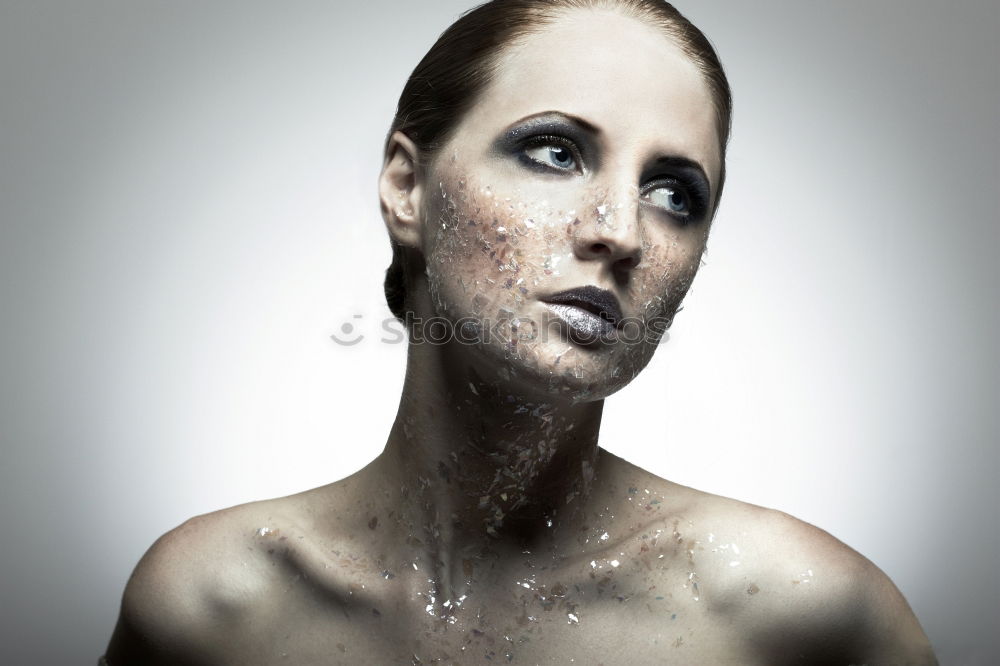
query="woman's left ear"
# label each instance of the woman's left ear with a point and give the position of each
(400, 190)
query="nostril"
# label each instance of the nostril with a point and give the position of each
(599, 248)
(627, 263)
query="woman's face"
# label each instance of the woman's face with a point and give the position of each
(564, 220)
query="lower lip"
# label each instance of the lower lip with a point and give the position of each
(584, 327)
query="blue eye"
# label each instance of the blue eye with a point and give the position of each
(552, 154)
(671, 197)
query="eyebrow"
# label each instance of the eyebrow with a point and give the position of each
(532, 121)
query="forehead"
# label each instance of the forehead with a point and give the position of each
(618, 73)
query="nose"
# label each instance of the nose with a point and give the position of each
(610, 232)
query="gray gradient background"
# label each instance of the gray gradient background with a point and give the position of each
(188, 206)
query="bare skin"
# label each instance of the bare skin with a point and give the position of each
(493, 528)
(332, 582)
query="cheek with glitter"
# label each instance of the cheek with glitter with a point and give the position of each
(488, 250)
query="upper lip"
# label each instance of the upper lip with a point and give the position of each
(593, 299)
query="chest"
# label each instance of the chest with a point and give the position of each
(373, 630)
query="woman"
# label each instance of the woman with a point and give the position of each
(548, 187)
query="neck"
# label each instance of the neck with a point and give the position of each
(479, 465)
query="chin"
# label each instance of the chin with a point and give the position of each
(559, 370)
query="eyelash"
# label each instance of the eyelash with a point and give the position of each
(692, 196)
(544, 140)
(695, 206)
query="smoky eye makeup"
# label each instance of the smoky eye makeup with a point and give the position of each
(554, 143)
(551, 143)
(679, 187)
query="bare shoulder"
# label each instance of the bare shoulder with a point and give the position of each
(796, 593)
(199, 581)
(803, 595)
(811, 590)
